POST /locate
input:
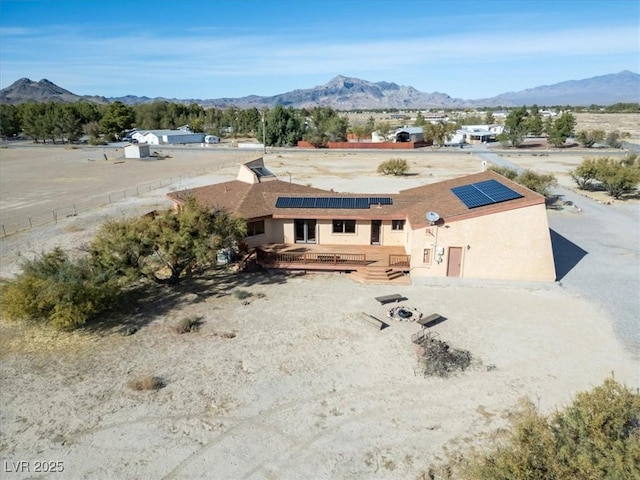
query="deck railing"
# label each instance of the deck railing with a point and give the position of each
(399, 260)
(272, 258)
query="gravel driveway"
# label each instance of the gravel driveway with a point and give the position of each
(597, 255)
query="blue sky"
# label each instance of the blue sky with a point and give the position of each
(212, 49)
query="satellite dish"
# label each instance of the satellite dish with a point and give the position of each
(432, 217)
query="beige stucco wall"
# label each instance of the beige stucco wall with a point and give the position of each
(514, 245)
(274, 233)
(325, 235)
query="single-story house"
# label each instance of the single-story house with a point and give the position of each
(136, 150)
(477, 226)
(158, 137)
(480, 133)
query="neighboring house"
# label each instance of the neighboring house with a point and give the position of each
(136, 150)
(479, 133)
(477, 226)
(409, 134)
(158, 137)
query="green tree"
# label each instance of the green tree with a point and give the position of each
(515, 127)
(32, 115)
(9, 121)
(116, 119)
(562, 129)
(325, 125)
(420, 121)
(370, 126)
(69, 123)
(164, 247)
(489, 119)
(283, 127)
(58, 291)
(535, 125)
(383, 129)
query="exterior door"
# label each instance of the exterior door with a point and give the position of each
(305, 231)
(454, 266)
(375, 231)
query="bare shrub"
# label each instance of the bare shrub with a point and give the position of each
(146, 382)
(187, 325)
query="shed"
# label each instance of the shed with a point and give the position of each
(136, 150)
(409, 134)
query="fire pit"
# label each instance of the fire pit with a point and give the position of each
(404, 314)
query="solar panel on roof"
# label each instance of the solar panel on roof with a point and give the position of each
(380, 201)
(362, 203)
(484, 193)
(322, 202)
(308, 202)
(331, 202)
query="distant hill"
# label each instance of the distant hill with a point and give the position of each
(602, 90)
(25, 90)
(346, 93)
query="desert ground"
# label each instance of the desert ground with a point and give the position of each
(288, 383)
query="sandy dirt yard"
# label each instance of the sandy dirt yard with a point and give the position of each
(288, 383)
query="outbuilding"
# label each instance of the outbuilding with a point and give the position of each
(136, 150)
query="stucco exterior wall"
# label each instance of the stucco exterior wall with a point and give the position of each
(393, 238)
(273, 233)
(327, 237)
(512, 245)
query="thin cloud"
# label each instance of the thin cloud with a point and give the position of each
(203, 54)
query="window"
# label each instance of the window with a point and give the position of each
(427, 256)
(344, 226)
(397, 224)
(255, 228)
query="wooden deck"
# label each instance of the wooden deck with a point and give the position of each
(369, 263)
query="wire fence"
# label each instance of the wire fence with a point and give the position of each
(12, 224)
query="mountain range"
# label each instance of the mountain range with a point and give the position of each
(346, 93)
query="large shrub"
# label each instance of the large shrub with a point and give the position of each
(596, 437)
(395, 166)
(56, 290)
(538, 182)
(616, 176)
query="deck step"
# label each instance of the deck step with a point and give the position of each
(381, 275)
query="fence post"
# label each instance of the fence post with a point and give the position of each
(109, 198)
(30, 224)
(4, 232)
(55, 216)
